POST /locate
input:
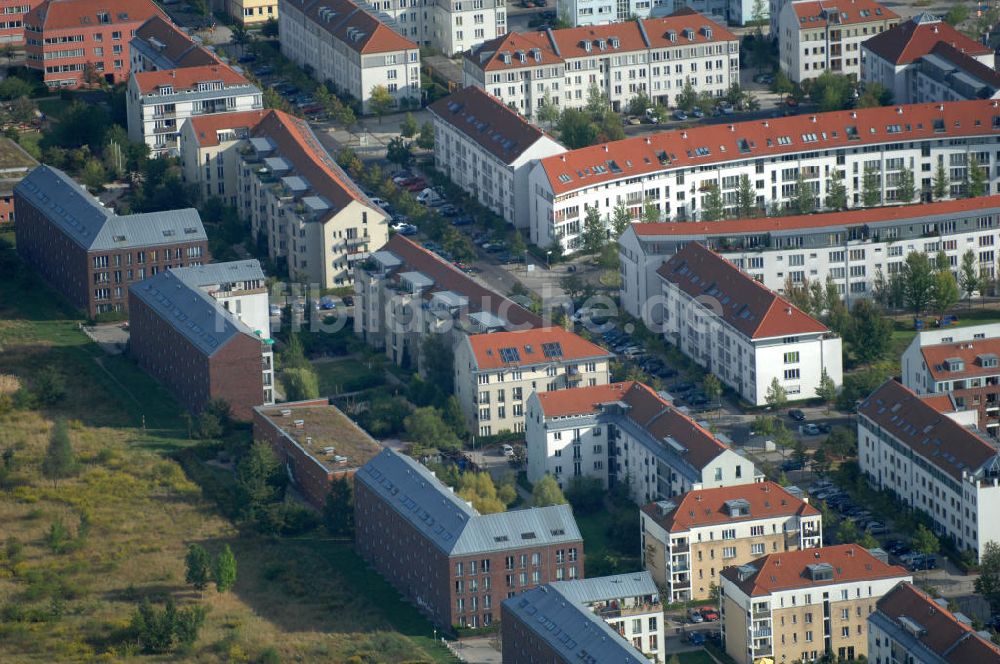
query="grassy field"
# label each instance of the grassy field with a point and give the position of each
(695, 657)
(903, 331)
(302, 600)
(339, 375)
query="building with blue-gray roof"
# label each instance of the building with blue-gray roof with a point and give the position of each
(455, 564)
(89, 253)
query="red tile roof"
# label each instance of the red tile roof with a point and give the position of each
(355, 27)
(707, 507)
(740, 300)
(844, 12)
(529, 344)
(788, 570)
(942, 403)
(969, 352)
(581, 400)
(489, 122)
(172, 43)
(937, 438)
(188, 78)
(207, 127)
(713, 144)
(905, 42)
(857, 217)
(942, 632)
(74, 14)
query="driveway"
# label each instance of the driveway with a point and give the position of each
(477, 650)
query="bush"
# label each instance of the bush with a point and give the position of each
(300, 383)
(585, 494)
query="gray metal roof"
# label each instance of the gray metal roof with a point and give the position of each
(182, 96)
(387, 259)
(82, 218)
(262, 143)
(600, 588)
(277, 164)
(571, 629)
(296, 183)
(316, 203)
(417, 280)
(190, 310)
(214, 274)
(453, 525)
(450, 299)
(487, 320)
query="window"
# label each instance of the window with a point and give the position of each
(791, 374)
(792, 358)
(729, 533)
(729, 551)
(757, 549)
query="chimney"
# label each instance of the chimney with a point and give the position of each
(648, 141)
(605, 147)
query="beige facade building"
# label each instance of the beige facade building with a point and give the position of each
(688, 540)
(800, 605)
(210, 152)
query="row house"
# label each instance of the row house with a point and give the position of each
(657, 57)
(92, 255)
(314, 220)
(927, 60)
(741, 331)
(451, 27)
(676, 170)
(816, 37)
(487, 149)
(804, 605)
(936, 462)
(454, 564)
(353, 48)
(688, 540)
(77, 42)
(854, 250)
(627, 434)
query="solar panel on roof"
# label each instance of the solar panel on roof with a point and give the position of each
(552, 349)
(510, 355)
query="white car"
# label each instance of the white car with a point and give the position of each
(429, 197)
(274, 310)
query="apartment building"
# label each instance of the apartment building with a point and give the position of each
(405, 293)
(210, 155)
(673, 169)
(187, 330)
(925, 59)
(352, 47)
(908, 625)
(12, 23)
(450, 27)
(544, 625)
(741, 331)
(626, 433)
(160, 44)
(689, 539)
(934, 462)
(158, 103)
(77, 42)
(252, 13)
(959, 364)
(90, 254)
(851, 248)
(816, 36)
(801, 605)
(496, 373)
(317, 223)
(487, 149)
(316, 443)
(455, 564)
(656, 56)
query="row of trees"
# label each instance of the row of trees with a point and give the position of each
(578, 128)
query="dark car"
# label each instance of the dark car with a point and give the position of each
(790, 465)
(824, 427)
(696, 638)
(249, 57)
(797, 415)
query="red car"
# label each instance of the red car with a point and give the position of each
(709, 614)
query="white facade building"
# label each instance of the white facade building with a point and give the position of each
(656, 56)
(158, 103)
(352, 47)
(451, 27)
(597, 12)
(487, 149)
(815, 36)
(240, 287)
(672, 169)
(741, 331)
(850, 248)
(936, 463)
(625, 433)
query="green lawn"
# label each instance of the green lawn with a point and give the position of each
(348, 375)
(903, 331)
(695, 657)
(593, 527)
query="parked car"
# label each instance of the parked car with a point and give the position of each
(682, 387)
(876, 528)
(696, 638)
(327, 302)
(810, 429)
(765, 79)
(824, 427)
(274, 310)
(680, 115)
(708, 613)
(695, 616)
(791, 465)
(697, 112)
(429, 197)
(797, 415)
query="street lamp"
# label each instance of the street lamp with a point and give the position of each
(548, 264)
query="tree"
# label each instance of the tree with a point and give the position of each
(836, 192)
(945, 293)
(380, 101)
(301, 383)
(712, 388)
(925, 541)
(547, 492)
(260, 479)
(875, 94)
(160, 632)
(650, 212)
(620, 219)
(548, 111)
(50, 386)
(479, 489)
(805, 197)
(59, 462)
(821, 462)
(427, 429)
(585, 494)
(976, 179)
(918, 282)
(240, 36)
(270, 29)
(576, 129)
(408, 127)
(956, 14)
(847, 532)
(688, 98)
(988, 583)
(746, 198)
(338, 508)
(827, 389)
(197, 565)
(224, 570)
(712, 206)
(870, 333)
(906, 190)
(783, 438)
(941, 183)
(969, 278)
(776, 396)
(594, 233)
(425, 139)
(871, 187)
(398, 152)
(831, 92)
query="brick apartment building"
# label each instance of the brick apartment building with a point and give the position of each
(90, 254)
(16, 163)
(12, 23)
(185, 338)
(66, 38)
(455, 564)
(316, 442)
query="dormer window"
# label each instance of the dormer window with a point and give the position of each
(954, 364)
(988, 361)
(615, 43)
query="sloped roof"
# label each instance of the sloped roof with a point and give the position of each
(71, 14)
(905, 42)
(188, 78)
(451, 524)
(840, 12)
(603, 588)
(968, 65)
(584, 400)
(84, 220)
(532, 348)
(169, 46)
(740, 300)
(789, 570)
(718, 143)
(570, 628)
(707, 507)
(353, 25)
(206, 128)
(489, 122)
(971, 353)
(215, 274)
(917, 424)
